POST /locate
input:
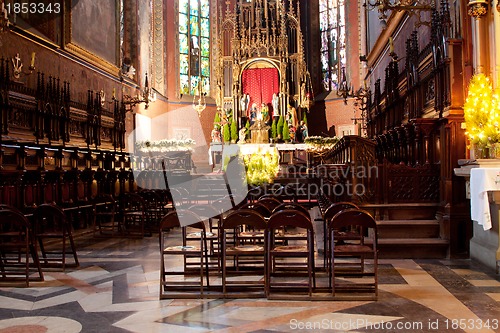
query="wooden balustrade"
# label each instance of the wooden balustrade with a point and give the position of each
(359, 156)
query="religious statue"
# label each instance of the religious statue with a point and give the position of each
(301, 133)
(276, 104)
(253, 113)
(216, 136)
(292, 116)
(244, 101)
(264, 110)
(242, 135)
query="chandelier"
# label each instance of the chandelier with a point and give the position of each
(413, 7)
(199, 104)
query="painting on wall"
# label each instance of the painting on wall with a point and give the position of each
(93, 32)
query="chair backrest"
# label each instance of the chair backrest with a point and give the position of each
(289, 218)
(204, 211)
(172, 220)
(12, 221)
(133, 202)
(270, 202)
(9, 207)
(333, 209)
(353, 217)
(291, 205)
(244, 217)
(51, 218)
(259, 208)
(272, 196)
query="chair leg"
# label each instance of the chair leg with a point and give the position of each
(73, 248)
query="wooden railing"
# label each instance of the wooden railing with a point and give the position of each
(360, 174)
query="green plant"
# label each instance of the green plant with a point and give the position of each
(261, 167)
(234, 130)
(217, 120)
(286, 133)
(226, 134)
(274, 130)
(247, 126)
(279, 127)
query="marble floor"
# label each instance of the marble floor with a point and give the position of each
(116, 289)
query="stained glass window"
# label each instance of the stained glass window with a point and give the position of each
(194, 46)
(333, 53)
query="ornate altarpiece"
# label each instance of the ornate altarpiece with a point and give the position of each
(263, 37)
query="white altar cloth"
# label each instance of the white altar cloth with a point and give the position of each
(483, 180)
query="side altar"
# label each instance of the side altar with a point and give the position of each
(483, 190)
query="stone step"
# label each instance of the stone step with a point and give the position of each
(408, 229)
(414, 248)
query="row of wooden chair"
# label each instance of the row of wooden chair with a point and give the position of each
(21, 237)
(255, 247)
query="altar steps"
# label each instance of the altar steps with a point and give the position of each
(408, 230)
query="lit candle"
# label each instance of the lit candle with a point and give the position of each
(391, 45)
(33, 55)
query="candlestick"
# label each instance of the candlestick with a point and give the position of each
(33, 55)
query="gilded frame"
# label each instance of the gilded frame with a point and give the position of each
(70, 45)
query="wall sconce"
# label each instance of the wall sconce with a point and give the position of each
(17, 66)
(147, 96)
(201, 104)
(410, 6)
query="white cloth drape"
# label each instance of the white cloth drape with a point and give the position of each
(483, 180)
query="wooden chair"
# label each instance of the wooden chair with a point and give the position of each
(171, 246)
(32, 241)
(270, 202)
(327, 215)
(248, 257)
(212, 219)
(105, 210)
(347, 259)
(154, 208)
(133, 210)
(259, 208)
(51, 223)
(16, 245)
(295, 247)
(292, 205)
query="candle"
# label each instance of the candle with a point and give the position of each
(114, 93)
(391, 45)
(33, 55)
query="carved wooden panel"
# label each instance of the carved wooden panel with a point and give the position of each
(412, 184)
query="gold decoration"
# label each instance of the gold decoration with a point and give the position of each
(477, 8)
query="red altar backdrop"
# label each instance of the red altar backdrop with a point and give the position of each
(260, 84)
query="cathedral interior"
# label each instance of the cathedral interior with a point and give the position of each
(121, 114)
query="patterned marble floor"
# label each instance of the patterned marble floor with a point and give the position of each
(116, 289)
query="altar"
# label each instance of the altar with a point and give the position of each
(483, 189)
(218, 152)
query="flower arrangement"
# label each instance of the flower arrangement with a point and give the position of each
(261, 167)
(320, 144)
(165, 145)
